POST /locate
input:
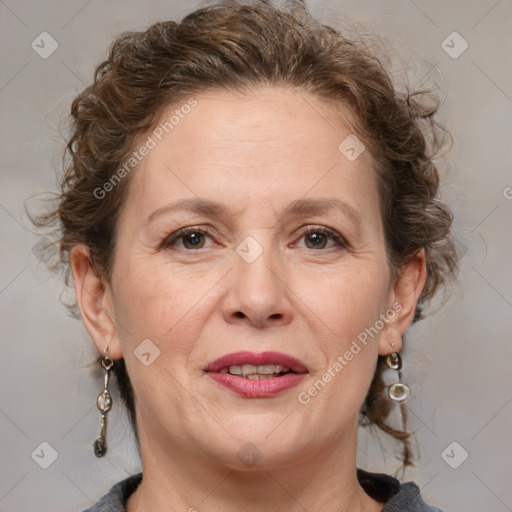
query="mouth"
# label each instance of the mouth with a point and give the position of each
(256, 375)
(249, 371)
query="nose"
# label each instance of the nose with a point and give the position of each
(258, 294)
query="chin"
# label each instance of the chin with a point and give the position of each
(259, 444)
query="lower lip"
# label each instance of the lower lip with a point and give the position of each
(257, 388)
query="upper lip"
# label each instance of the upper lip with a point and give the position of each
(256, 359)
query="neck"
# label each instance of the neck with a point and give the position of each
(325, 480)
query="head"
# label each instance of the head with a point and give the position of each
(309, 186)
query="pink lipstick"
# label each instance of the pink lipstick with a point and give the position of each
(257, 375)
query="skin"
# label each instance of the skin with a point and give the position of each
(255, 154)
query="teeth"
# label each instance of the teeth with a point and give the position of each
(254, 372)
(266, 369)
(259, 377)
(249, 369)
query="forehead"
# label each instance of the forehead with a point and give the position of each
(269, 144)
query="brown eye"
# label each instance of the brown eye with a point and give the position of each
(319, 238)
(315, 240)
(187, 239)
(193, 240)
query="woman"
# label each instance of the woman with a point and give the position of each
(251, 223)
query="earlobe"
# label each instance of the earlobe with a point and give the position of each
(94, 299)
(405, 294)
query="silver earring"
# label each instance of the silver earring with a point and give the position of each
(399, 392)
(104, 404)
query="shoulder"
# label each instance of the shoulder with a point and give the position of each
(115, 500)
(397, 497)
(409, 499)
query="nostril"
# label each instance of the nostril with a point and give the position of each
(239, 314)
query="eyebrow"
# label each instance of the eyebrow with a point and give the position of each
(300, 207)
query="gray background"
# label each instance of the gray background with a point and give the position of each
(457, 361)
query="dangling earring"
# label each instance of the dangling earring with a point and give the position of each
(399, 392)
(104, 404)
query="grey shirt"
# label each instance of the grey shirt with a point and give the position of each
(384, 488)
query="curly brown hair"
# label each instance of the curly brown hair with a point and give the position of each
(234, 46)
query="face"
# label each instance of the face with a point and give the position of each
(247, 229)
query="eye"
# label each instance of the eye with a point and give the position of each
(318, 238)
(191, 239)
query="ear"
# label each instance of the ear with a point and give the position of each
(403, 299)
(94, 298)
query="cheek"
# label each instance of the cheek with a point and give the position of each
(345, 302)
(341, 318)
(147, 303)
(166, 305)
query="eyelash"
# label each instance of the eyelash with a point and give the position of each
(330, 233)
